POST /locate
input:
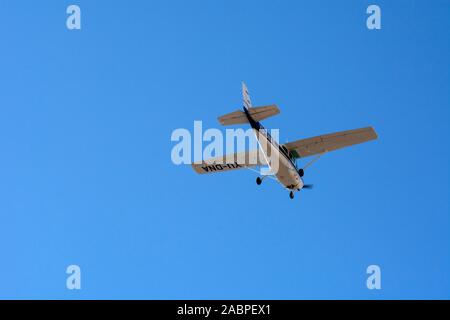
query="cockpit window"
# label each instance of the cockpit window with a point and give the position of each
(289, 154)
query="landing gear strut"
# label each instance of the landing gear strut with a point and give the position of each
(291, 194)
(258, 181)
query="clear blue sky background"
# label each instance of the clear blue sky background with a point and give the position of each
(86, 175)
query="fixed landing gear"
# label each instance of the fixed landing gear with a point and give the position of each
(301, 172)
(291, 194)
(258, 181)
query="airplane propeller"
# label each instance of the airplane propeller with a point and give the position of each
(308, 186)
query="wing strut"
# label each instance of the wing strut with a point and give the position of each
(270, 176)
(313, 160)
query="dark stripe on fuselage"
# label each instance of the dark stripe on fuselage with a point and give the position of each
(258, 126)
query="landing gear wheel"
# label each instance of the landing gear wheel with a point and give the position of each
(291, 194)
(301, 172)
(258, 181)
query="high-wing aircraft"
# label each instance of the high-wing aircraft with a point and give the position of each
(281, 158)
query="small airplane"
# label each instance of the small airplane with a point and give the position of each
(284, 155)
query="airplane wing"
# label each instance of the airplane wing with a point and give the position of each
(230, 162)
(330, 142)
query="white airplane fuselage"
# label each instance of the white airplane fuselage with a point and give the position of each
(280, 163)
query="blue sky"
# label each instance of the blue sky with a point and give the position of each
(86, 175)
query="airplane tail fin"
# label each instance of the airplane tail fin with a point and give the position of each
(246, 97)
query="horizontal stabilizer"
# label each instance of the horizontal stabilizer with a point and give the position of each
(261, 113)
(257, 114)
(236, 117)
